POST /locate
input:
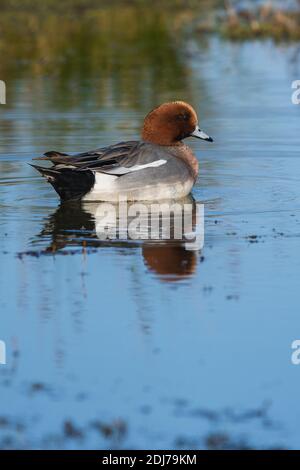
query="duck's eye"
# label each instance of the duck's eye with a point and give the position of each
(182, 117)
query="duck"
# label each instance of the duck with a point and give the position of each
(160, 166)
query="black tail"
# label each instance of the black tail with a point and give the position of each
(68, 183)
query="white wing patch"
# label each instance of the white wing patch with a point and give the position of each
(123, 170)
(148, 165)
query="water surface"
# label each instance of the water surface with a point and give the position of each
(138, 345)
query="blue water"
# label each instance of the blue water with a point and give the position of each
(105, 349)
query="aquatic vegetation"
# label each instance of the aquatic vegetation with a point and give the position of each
(74, 36)
(266, 21)
(120, 48)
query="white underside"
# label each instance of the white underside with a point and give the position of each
(107, 188)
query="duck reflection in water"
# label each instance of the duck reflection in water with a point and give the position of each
(166, 234)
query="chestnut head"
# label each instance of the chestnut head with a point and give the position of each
(170, 123)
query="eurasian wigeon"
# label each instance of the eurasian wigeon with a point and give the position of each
(160, 166)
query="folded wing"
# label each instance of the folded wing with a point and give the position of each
(118, 159)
